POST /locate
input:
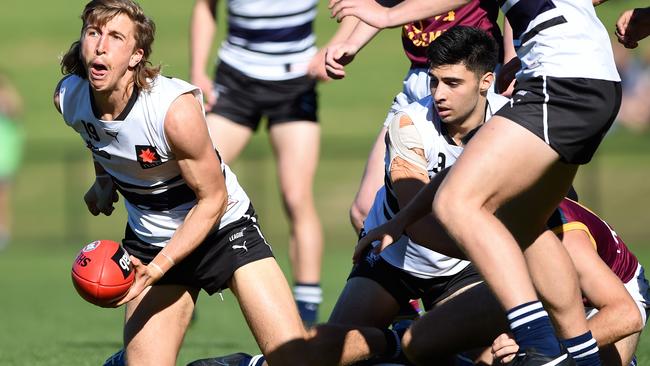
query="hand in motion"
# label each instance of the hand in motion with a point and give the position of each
(504, 349)
(145, 276)
(206, 84)
(336, 57)
(506, 77)
(369, 11)
(632, 26)
(316, 69)
(101, 196)
(386, 234)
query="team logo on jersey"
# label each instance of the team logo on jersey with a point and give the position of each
(147, 156)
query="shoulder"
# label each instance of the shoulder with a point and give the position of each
(67, 86)
(171, 88)
(419, 110)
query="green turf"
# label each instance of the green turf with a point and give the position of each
(44, 322)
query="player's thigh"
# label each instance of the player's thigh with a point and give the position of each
(266, 302)
(164, 309)
(469, 319)
(228, 137)
(501, 161)
(621, 352)
(364, 302)
(296, 145)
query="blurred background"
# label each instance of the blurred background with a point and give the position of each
(44, 322)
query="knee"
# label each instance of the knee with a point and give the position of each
(297, 199)
(445, 208)
(414, 349)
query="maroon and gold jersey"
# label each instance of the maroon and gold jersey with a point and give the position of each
(417, 36)
(570, 215)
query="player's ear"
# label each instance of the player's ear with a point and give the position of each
(136, 57)
(486, 81)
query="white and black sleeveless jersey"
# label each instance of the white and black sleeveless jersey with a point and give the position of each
(133, 149)
(270, 39)
(440, 152)
(560, 38)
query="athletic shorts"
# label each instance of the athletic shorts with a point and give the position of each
(572, 115)
(405, 287)
(640, 292)
(211, 265)
(245, 100)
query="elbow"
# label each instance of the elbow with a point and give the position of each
(628, 319)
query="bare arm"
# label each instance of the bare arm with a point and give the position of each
(369, 11)
(343, 52)
(203, 28)
(511, 64)
(632, 26)
(187, 134)
(408, 179)
(317, 68)
(618, 315)
(415, 194)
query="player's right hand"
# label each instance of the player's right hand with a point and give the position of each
(101, 196)
(633, 26)
(506, 77)
(385, 234)
(206, 84)
(504, 348)
(336, 57)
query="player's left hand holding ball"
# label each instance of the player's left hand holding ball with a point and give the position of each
(145, 276)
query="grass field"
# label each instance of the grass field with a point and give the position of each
(44, 322)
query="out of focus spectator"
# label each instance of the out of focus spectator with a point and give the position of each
(10, 151)
(635, 79)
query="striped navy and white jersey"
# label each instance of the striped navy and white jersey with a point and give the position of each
(440, 152)
(560, 38)
(133, 149)
(270, 39)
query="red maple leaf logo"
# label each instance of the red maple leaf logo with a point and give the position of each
(147, 156)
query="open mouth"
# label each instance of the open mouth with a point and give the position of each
(98, 69)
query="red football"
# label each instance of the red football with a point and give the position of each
(102, 272)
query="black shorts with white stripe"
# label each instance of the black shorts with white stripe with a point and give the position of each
(572, 115)
(211, 265)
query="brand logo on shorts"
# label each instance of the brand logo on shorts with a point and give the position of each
(147, 156)
(91, 246)
(243, 246)
(372, 258)
(237, 235)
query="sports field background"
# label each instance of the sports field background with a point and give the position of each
(44, 322)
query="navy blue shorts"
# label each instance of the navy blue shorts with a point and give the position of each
(246, 100)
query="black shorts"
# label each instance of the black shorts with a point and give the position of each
(246, 100)
(405, 287)
(572, 115)
(211, 265)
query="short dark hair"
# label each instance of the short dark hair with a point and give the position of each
(470, 46)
